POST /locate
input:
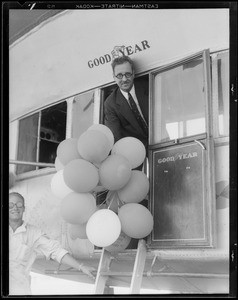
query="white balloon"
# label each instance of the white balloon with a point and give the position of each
(104, 129)
(103, 228)
(58, 164)
(58, 185)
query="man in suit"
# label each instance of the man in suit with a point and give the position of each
(126, 108)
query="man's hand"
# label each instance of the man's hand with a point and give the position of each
(87, 270)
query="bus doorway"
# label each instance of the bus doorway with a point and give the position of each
(105, 92)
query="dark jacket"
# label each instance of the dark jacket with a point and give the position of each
(119, 117)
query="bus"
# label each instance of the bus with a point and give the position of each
(59, 77)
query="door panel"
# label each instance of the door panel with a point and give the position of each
(181, 154)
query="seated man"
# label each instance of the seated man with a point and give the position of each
(24, 240)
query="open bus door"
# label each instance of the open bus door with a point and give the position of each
(181, 155)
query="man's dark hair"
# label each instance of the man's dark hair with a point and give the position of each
(121, 60)
(18, 195)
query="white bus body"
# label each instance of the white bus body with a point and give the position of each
(67, 58)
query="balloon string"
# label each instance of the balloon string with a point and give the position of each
(112, 196)
(118, 203)
(110, 202)
(103, 200)
(102, 203)
(99, 194)
(121, 201)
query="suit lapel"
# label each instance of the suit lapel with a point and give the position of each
(126, 111)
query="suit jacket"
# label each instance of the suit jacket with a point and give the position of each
(120, 118)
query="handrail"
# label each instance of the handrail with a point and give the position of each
(18, 162)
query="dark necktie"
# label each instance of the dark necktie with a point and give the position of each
(137, 114)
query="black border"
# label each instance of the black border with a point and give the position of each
(232, 6)
(4, 154)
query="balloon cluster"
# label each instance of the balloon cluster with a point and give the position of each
(92, 164)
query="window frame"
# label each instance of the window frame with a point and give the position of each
(49, 168)
(218, 139)
(205, 55)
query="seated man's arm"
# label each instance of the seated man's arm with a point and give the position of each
(52, 249)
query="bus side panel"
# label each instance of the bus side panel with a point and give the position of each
(222, 195)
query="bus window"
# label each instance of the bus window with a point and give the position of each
(179, 105)
(82, 117)
(27, 144)
(39, 136)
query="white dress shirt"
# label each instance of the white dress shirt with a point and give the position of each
(133, 94)
(24, 245)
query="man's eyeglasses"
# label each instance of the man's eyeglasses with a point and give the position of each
(120, 75)
(18, 205)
